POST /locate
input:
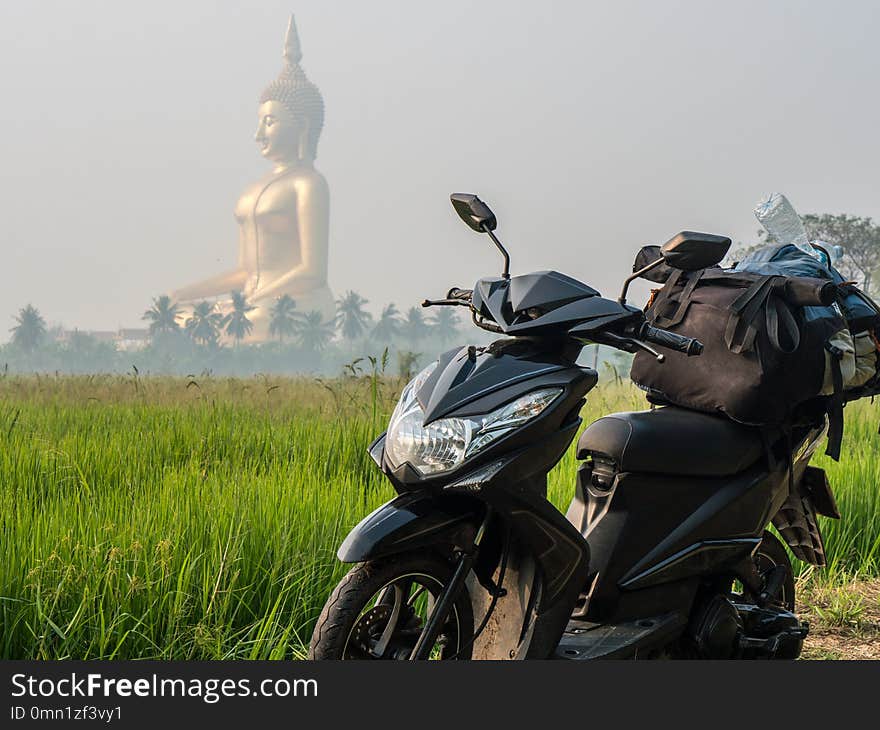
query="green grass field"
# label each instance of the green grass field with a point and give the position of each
(198, 519)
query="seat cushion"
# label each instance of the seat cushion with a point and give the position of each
(673, 440)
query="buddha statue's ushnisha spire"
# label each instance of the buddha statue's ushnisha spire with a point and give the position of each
(294, 90)
(292, 51)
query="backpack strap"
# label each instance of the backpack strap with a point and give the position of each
(778, 311)
(835, 404)
(660, 299)
(767, 434)
(742, 325)
(741, 329)
(683, 299)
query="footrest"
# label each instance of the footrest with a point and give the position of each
(583, 640)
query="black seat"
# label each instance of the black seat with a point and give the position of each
(672, 440)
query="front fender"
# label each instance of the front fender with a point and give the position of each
(409, 522)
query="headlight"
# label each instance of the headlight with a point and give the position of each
(446, 443)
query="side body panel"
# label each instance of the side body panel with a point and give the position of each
(652, 537)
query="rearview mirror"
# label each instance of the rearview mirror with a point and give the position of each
(478, 216)
(474, 212)
(650, 265)
(689, 251)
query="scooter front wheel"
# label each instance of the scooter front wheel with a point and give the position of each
(379, 608)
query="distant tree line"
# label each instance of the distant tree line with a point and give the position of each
(303, 341)
(194, 342)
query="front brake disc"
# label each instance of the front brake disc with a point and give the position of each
(366, 632)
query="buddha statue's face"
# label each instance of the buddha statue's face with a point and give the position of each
(279, 136)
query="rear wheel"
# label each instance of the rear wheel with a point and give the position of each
(379, 608)
(730, 621)
(771, 556)
(771, 553)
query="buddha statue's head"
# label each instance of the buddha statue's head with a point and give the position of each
(291, 111)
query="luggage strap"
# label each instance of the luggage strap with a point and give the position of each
(742, 327)
(835, 406)
(683, 299)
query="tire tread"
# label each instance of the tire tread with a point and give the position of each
(347, 599)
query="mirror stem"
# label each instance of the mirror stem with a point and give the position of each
(506, 273)
(636, 275)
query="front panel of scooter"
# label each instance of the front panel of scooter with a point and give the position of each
(485, 407)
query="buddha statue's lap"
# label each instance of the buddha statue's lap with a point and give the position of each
(318, 299)
(283, 219)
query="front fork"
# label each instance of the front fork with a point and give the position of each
(448, 596)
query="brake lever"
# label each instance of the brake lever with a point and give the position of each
(650, 350)
(629, 344)
(445, 303)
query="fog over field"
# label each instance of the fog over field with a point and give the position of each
(590, 127)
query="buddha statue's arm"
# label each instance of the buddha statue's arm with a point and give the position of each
(212, 287)
(218, 285)
(313, 216)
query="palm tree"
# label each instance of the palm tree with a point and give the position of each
(444, 324)
(282, 319)
(312, 332)
(407, 362)
(388, 326)
(352, 317)
(238, 326)
(163, 316)
(414, 325)
(30, 329)
(205, 323)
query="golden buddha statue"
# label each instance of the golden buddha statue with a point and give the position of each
(283, 218)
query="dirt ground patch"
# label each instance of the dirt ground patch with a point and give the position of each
(844, 620)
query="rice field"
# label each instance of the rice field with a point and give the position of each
(189, 518)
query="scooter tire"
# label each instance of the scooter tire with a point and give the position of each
(350, 597)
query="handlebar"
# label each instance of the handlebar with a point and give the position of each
(670, 340)
(634, 335)
(454, 298)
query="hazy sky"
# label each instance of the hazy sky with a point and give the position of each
(590, 127)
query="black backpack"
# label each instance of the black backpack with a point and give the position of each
(777, 347)
(759, 359)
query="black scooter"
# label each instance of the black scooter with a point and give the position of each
(663, 551)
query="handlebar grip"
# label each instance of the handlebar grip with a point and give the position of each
(665, 338)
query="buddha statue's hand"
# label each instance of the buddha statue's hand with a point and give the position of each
(251, 290)
(269, 292)
(181, 296)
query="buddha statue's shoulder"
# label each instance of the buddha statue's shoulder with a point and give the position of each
(306, 186)
(308, 182)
